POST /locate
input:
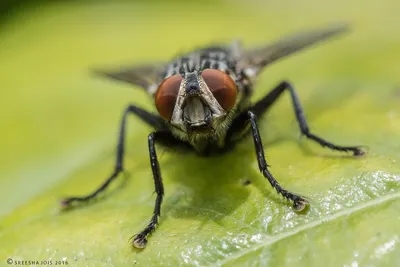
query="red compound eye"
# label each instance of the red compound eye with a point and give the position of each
(166, 95)
(222, 87)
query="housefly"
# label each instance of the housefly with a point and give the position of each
(203, 104)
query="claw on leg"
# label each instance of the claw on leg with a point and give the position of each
(300, 204)
(139, 241)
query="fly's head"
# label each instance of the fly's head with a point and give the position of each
(196, 102)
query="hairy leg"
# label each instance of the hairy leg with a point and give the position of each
(151, 119)
(167, 139)
(266, 102)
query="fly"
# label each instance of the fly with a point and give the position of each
(202, 99)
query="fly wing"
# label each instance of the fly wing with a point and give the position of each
(254, 60)
(147, 76)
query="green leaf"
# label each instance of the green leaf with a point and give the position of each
(59, 127)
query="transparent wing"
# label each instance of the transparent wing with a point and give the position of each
(257, 58)
(146, 76)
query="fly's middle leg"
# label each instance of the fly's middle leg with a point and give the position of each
(151, 119)
(266, 102)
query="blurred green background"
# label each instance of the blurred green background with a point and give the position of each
(59, 124)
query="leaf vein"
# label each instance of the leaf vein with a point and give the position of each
(297, 230)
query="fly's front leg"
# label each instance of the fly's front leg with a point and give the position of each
(166, 139)
(151, 119)
(265, 103)
(140, 240)
(299, 203)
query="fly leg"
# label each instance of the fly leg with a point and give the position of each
(140, 240)
(147, 117)
(299, 203)
(165, 138)
(240, 127)
(265, 103)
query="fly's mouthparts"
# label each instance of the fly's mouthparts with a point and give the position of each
(191, 97)
(196, 113)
